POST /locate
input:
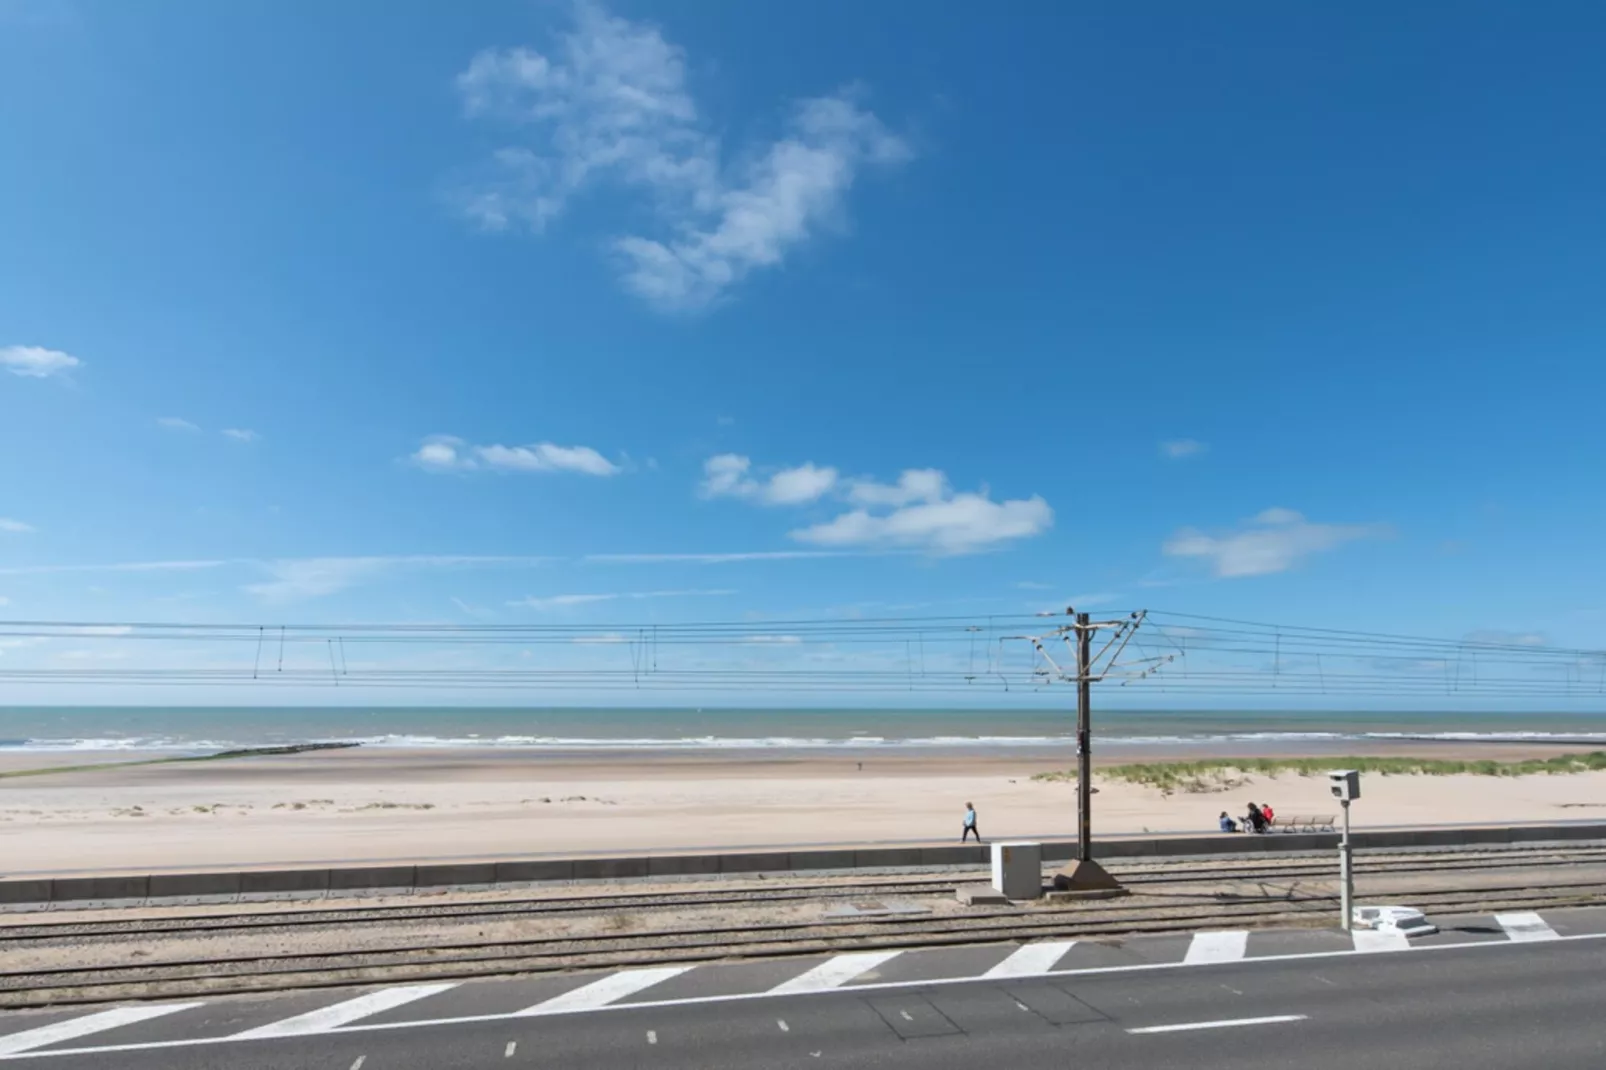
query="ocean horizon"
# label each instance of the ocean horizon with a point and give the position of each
(208, 728)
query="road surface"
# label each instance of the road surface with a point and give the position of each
(1514, 993)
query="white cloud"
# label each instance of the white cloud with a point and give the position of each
(959, 524)
(1031, 585)
(772, 640)
(611, 103)
(4, 601)
(446, 453)
(915, 485)
(14, 527)
(174, 423)
(726, 476)
(1178, 448)
(36, 362)
(240, 434)
(560, 601)
(1274, 541)
(919, 512)
(709, 559)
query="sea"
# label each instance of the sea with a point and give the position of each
(202, 729)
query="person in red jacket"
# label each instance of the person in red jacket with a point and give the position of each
(1271, 818)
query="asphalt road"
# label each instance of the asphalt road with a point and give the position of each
(1467, 1008)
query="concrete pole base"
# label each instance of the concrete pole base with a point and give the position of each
(1085, 875)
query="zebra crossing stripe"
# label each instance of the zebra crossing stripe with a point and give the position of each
(1031, 959)
(605, 990)
(834, 972)
(1380, 940)
(333, 1017)
(1217, 947)
(73, 1028)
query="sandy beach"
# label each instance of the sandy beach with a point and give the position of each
(375, 804)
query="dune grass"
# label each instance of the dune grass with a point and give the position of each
(1221, 773)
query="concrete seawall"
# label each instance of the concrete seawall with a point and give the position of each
(33, 890)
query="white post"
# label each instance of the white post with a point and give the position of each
(1347, 873)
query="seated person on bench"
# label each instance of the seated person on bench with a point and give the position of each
(1227, 823)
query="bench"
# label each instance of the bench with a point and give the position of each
(1304, 823)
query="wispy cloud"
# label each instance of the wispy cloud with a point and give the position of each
(1495, 637)
(447, 453)
(561, 601)
(1178, 448)
(240, 434)
(36, 362)
(1274, 541)
(610, 103)
(295, 579)
(175, 423)
(727, 476)
(14, 527)
(39, 14)
(1032, 585)
(127, 566)
(711, 558)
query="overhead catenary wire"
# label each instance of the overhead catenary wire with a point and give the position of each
(1172, 654)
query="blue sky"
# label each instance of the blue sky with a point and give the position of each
(528, 311)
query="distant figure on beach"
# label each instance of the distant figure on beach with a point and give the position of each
(970, 824)
(1227, 823)
(1268, 814)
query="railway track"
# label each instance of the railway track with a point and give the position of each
(33, 934)
(467, 960)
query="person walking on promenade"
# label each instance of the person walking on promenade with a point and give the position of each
(970, 824)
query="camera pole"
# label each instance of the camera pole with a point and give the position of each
(1347, 873)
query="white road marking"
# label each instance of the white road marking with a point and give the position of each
(1217, 947)
(1031, 959)
(1525, 927)
(652, 1036)
(73, 1028)
(326, 1019)
(358, 1064)
(1223, 1024)
(907, 1016)
(605, 990)
(1375, 940)
(834, 972)
(782, 1023)
(512, 1046)
(1473, 947)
